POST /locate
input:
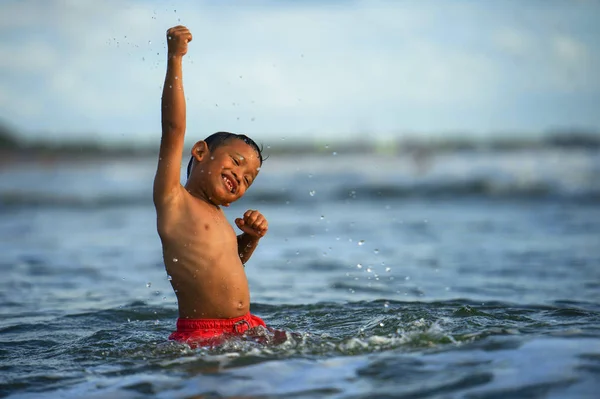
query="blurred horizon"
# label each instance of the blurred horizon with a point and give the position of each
(419, 145)
(288, 72)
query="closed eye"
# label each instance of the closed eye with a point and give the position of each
(235, 161)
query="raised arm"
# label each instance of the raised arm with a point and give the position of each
(167, 182)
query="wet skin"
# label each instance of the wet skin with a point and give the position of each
(203, 256)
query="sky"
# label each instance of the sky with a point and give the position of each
(293, 70)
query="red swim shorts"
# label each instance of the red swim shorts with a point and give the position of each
(213, 332)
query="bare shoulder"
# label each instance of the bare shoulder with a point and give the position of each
(183, 211)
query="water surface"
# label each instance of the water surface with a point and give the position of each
(474, 275)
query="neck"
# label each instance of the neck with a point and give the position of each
(200, 194)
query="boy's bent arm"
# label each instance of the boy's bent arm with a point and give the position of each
(254, 227)
(173, 112)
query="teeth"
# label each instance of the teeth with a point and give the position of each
(229, 183)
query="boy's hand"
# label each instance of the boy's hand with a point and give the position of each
(178, 38)
(253, 223)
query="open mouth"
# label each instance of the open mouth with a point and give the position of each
(231, 184)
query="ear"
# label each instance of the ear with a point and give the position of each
(200, 150)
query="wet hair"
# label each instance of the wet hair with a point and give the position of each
(218, 139)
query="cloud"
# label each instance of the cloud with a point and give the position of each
(514, 42)
(569, 49)
(281, 68)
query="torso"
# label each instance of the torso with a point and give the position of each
(201, 256)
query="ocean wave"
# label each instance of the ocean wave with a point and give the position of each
(476, 188)
(487, 188)
(47, 200)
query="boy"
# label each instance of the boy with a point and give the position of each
(202, 254)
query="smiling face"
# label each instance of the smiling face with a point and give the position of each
(223, 175)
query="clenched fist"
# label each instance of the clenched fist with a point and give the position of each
(253, 223)
(178, 38)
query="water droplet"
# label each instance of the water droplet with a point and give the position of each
(156, 322)
(369, 270)
(312, 193)
(361, 242)
(359, 266)
(334, 153)
(252, 119)
(387, 269)
(149, 42)
(128, 320)
(407, 278)
(148, 284)
(386, 305)
(376, 251)
(169, 277)
(164, 298)
(322, 217)
(381, 324)
(175, 260)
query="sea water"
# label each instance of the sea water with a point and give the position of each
(474, 274)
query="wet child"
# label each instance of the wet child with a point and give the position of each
(203, 256)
